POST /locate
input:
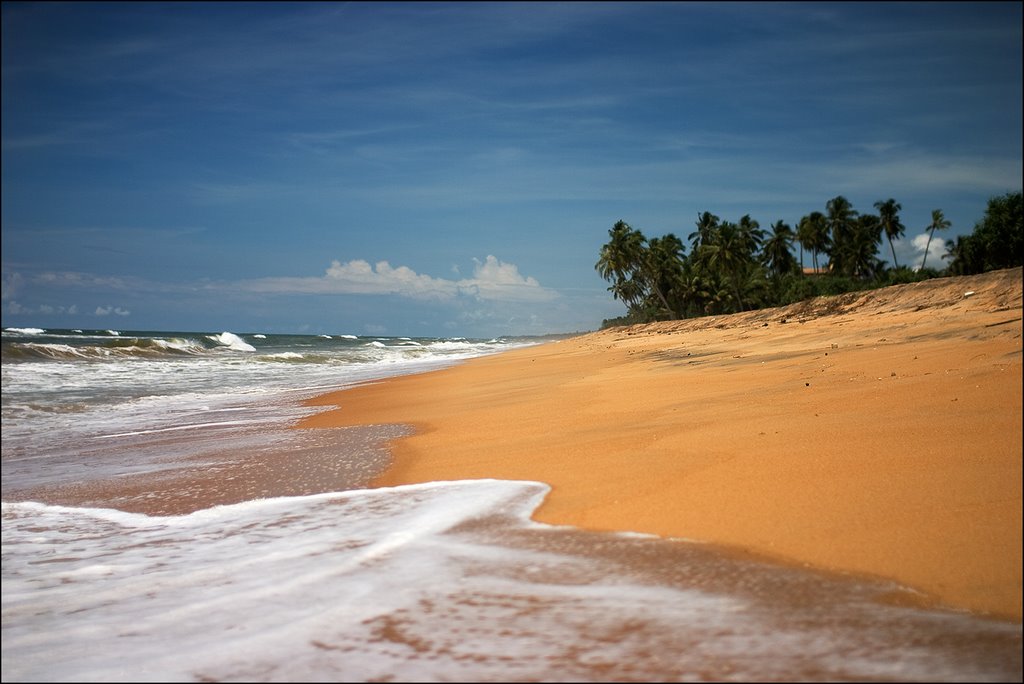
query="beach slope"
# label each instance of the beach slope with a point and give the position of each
(875, 433)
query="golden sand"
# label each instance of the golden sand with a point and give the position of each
(876, 433)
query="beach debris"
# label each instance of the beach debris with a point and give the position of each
(969, 293)
(835, 346)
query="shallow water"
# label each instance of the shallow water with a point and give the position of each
(439, 582)
(85, 405)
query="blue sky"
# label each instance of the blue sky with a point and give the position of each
(454, 168)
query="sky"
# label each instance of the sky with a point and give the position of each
(453, 169)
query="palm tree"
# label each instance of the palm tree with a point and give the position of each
(841, 222)
(620, 262)
(812, 231)
(751, 235)
(777, 255)
(728, 255)
(939, 222)
(662, 263)
(707, 224)
(888, 215)
(862, 248)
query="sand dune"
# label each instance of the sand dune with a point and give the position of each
(876, 433)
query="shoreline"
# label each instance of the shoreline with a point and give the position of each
(875, 434)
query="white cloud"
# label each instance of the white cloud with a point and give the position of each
(10, 284)
(910, 251)
(493, 280)
(71, 279)
(107, 310)
(47, 309)
(936, 250)
(359, 277)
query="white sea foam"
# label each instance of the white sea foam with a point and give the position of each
(285, 355)
(232, 341)
(25, 331)
(445, 581)
(180, 344)
(177, 428)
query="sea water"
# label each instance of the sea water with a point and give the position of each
(89, 404)
(434, 582)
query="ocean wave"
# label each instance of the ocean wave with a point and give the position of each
(231, 341)
(120, 348)
(283, 356)
(98, 346)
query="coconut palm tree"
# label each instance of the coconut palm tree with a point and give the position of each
(728, 255)
(812, 232)
(662, 267)
(751, 235)
(620, 263)
(841, 222)
(939, 222)
(707, 224)
(888, 215)
(862, 248)
(777, 255)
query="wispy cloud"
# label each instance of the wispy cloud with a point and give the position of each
(74, 280)
(112, 310)
(48, 309)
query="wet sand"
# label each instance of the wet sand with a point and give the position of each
(876, 434)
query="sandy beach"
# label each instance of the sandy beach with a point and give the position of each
(876, 434)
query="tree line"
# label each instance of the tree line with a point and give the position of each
(738, 266)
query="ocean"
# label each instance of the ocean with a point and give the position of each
(115, 571)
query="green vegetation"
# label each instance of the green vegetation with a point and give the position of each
(996, 241)
(739, 266)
